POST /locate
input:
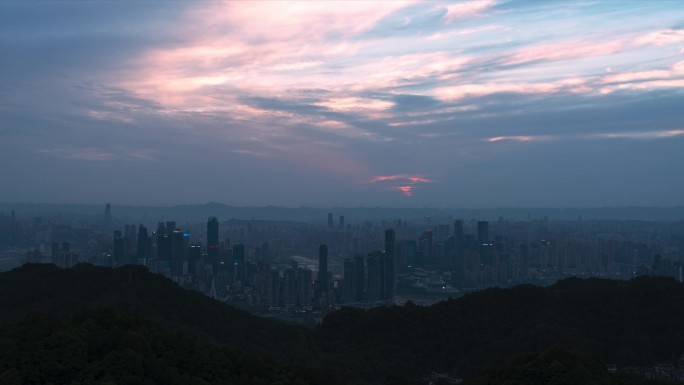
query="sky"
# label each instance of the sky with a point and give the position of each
(469, 104)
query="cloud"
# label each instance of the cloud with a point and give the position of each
(98, 154)
(519, 138)
(405, 183)
(462, 10)
(638, 135)
(296, 92)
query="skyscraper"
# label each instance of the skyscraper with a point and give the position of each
(331, 224)
(376, 282)
(482, 233)
(179, 251)
(349, 283)
(426, 245)
(194, 255)
(144, 245)
(239, 262)
(305, 281)
(213, 240)
(458, 235)
(107, 222)
(120, 249)
(389, 241)
(359, 277)
(163, 242)
(389, 265)
(323, 268)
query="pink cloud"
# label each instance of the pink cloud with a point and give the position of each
(408, 177)
(407, 182)
(406, 190)
(563, 50)
(462, 10)
(469, 90)
(661, 37)
(463, 32)
(640, 75)
(574, 49)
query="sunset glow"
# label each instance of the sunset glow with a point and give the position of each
(373, 101)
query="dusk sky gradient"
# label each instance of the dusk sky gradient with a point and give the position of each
(401, 104)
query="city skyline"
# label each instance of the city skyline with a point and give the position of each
(467, 104)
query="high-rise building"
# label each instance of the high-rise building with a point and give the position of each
(170, 226)
(179, 250)
(289, 287)
(107, 222)
(426, 245)
(458, 236)
(349, 282)
(163, 242)
(323, 268)
(483, 244)
(376, 283)
(120, 249)
(482, 233)
(331, 224)
(390, 242)
(239, 262)
(389, 276)
(54, 255)
(144, 245)
(194, 255)
(359, 278)
(213, 241)
(340, 222)
(273, 288)
(389, 265)
(304, 284)
(523, 260)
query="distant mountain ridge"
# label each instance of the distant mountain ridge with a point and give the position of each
(200, 212)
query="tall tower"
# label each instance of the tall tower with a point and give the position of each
(331, 224)
(323, 268)
(213, 240)
(107, 222)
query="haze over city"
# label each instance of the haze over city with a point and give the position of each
(395, 104)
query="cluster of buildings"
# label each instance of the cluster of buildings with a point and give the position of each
(270, 266)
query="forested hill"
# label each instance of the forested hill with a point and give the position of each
(629, 323)
(64, 292)
(636, 322)
(116, 348)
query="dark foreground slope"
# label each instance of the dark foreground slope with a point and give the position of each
(558, 366)
(113, 347)
(629, 323)
(62, 293)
